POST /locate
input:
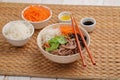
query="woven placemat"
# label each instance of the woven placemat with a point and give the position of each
(28, 60)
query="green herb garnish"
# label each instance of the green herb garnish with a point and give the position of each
(55, 42)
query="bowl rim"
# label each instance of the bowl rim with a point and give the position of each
(6, 25)
(45, 52)
(36, 21)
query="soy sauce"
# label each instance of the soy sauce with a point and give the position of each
(88, 23)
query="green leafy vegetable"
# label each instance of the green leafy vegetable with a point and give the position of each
(52, 47)
(61, 39)
(55, 42)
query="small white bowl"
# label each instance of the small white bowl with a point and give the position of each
(88, 27)
(16, 42)
(38, 24)
(57, 58)
(65, 13)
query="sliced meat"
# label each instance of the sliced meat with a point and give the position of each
(69, 48)
(71, 44)
(65, 52)
(55, 52)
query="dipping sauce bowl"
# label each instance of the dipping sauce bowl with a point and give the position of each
(64, 17)
(88, 24)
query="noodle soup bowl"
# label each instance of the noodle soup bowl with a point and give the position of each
(38, 24)
(57, 58)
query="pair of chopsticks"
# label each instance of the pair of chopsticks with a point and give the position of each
(75, 27)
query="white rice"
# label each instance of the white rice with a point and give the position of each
(17, 30)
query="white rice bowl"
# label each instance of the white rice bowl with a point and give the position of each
(50, 32)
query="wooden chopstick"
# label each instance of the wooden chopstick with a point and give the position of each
(78, 43)
(80, 32)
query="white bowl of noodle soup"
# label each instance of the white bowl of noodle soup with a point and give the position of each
(47, 33)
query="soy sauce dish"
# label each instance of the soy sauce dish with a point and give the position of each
(88, 24)
(59, 45)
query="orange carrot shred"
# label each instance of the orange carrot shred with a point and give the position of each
(66, 29)
(36, 13)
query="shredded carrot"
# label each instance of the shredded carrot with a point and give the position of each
(66, 29)
(46, 45)
(36, 13)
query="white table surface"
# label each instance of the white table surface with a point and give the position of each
(73, 2)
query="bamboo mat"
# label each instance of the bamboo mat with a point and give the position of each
(28, 60)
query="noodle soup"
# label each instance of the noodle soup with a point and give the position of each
(57, 43)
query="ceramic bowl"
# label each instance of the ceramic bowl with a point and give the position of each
(15, 41)
(64, 17)
(38, 24)
(57, 58)
(88, 23)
